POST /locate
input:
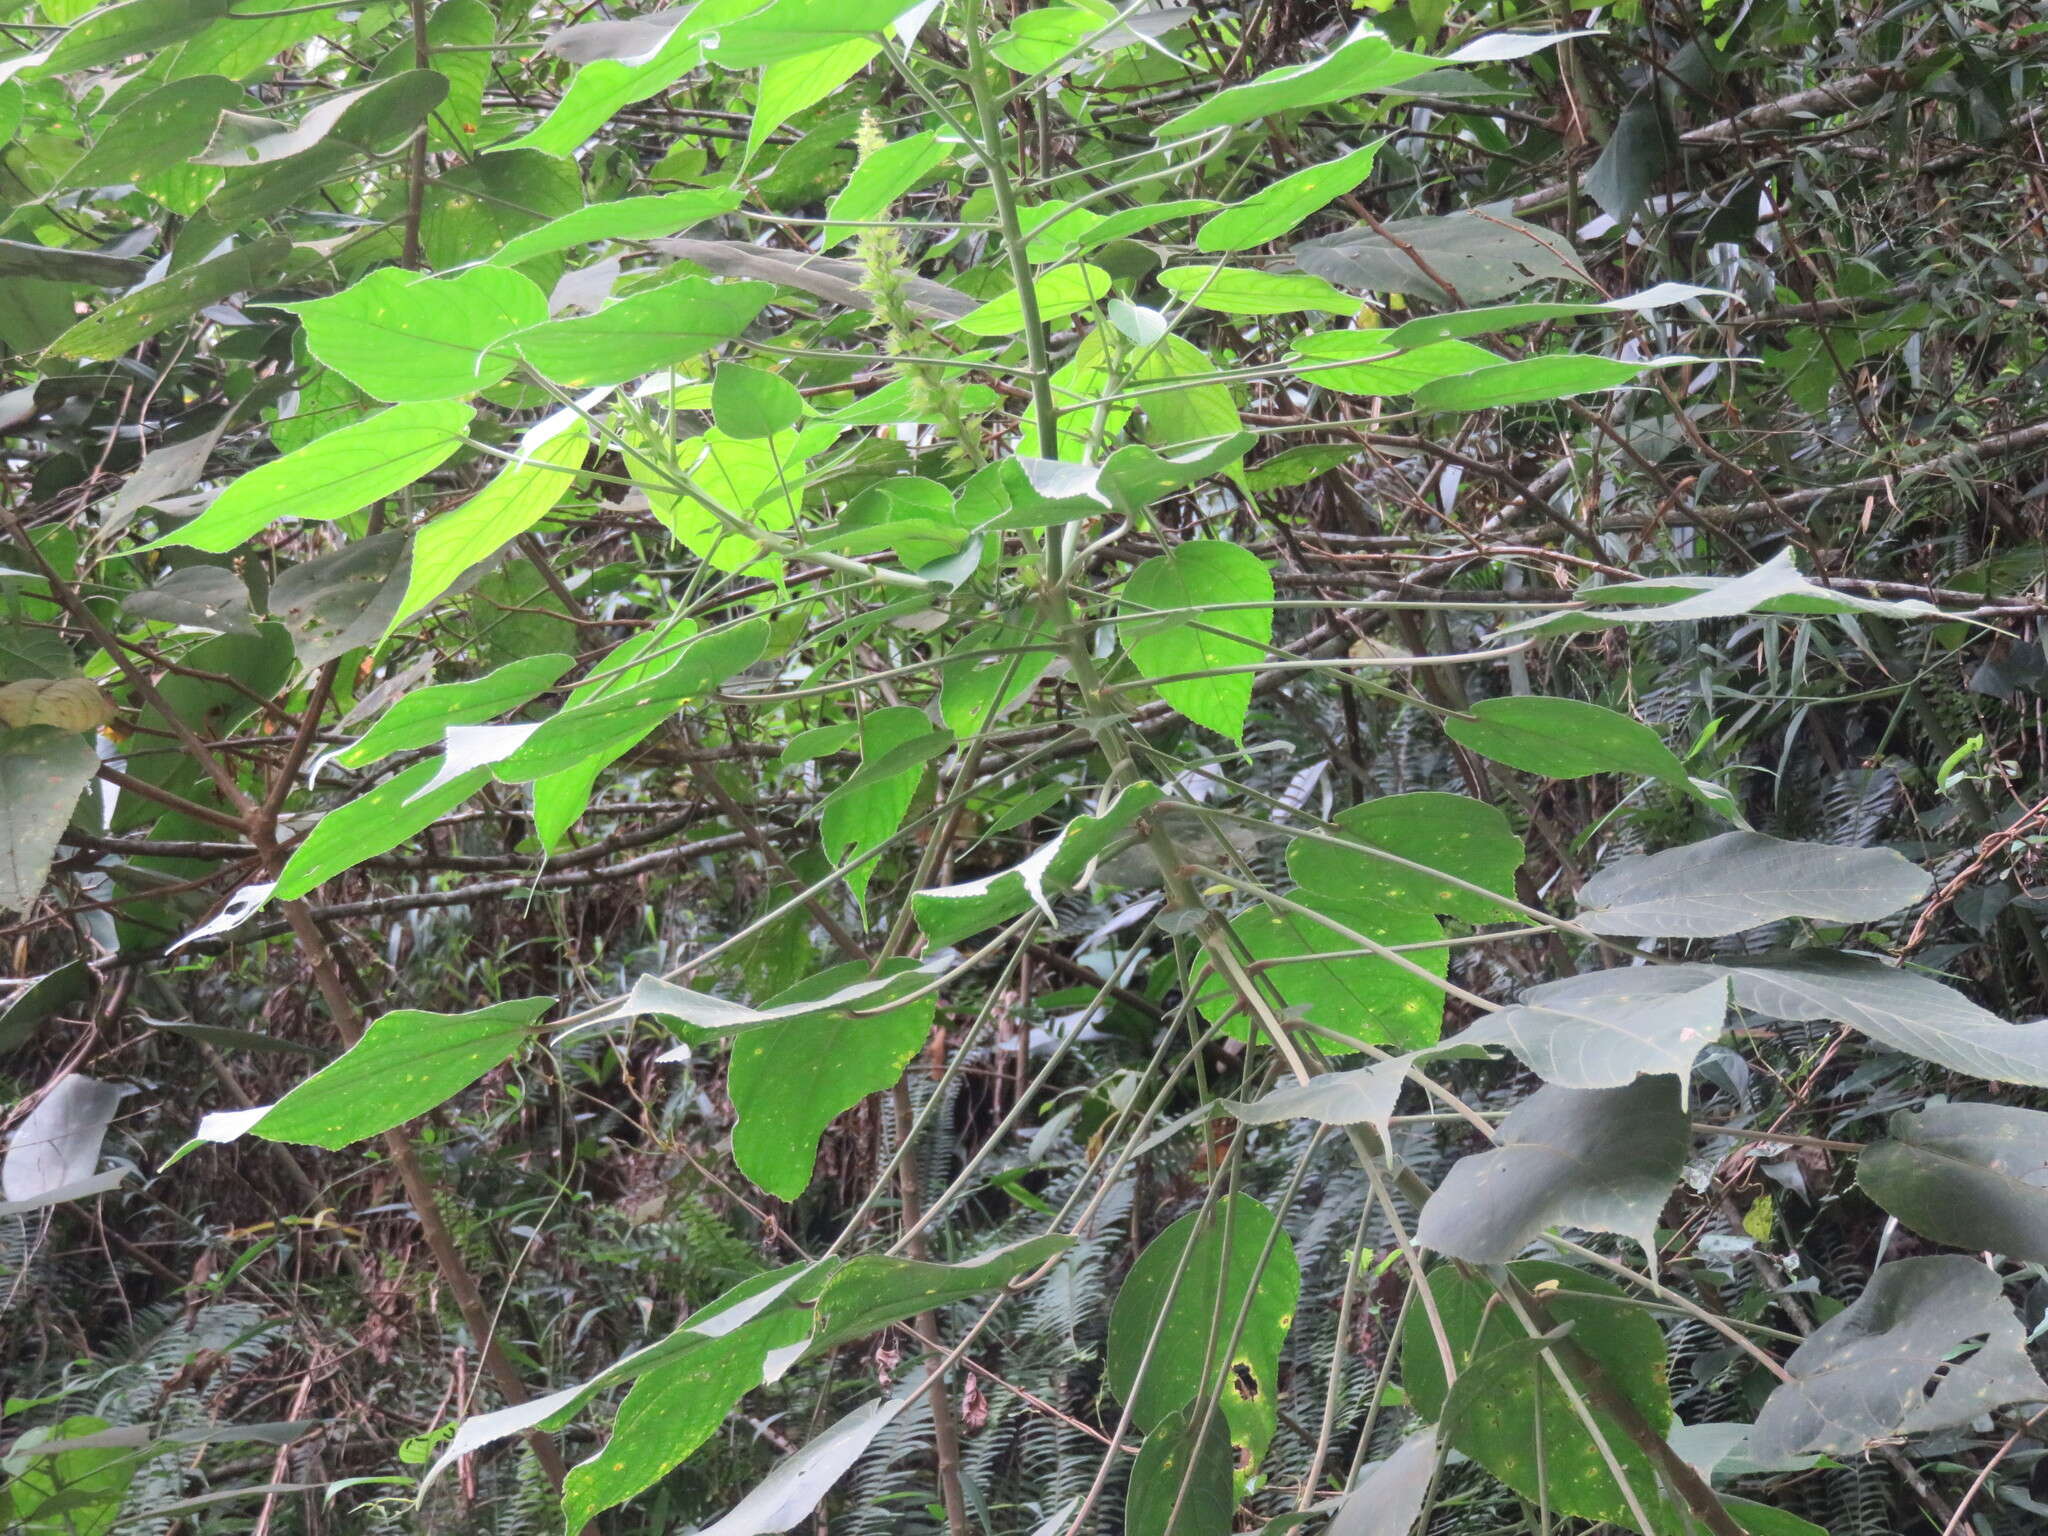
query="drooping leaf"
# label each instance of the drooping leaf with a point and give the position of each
(652, 329)
(629, 218)
(1508, 1412)
(120, 31)
(1060, 292)
(61, 1491)
(865, 811)
(1484, 255)
(140, 313)
(622, 62)
(1364, 61)
(1181, 1482)
(789, 86)
(1552, 376)
(1773, 587)
(1969, 1175)
(153, 133)
(43, 771)
(1743, 880)
(1386, 1496)
(375, 823)
(1202, 587)
(1248, 291)
(419, 718)
(400, 336)
(1353, 996)
(405, 1064)
(1604, 1159)
(1454, 834)
(1562, 738)
(1169, 1344)
(880, 179)
(543, 466)
(331, 476)
(1364, 363)
(673, 1409)
(866, 1294)
(1604, 1029)
(789, 1080)
(56, 1145)
(23, 260)
(951, 913)
(795, 1485)
(1277, 207)
(1930, 1344)
(1501, 317)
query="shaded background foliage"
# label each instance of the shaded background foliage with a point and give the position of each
(1866, 183)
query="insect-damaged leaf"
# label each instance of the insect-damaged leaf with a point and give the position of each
(1969, 1175)
(1484, 255)
(1742, 880)
(1603, 1159)
(405, 1064)
(1169, 1344)
(1930, 1344)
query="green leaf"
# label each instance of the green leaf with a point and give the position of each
(864, 812)
(1455, 834)
(752, 402)
(1363, 362)
(1296, 466)
(331, 476)
(1603, 1159)
(1279, 206)
(395, 811)
(673, 1409)
(543, 465)
(116, 32)
(790, 1080)
(1248, 291)
(58, 1492)
(620, 710)
(1181, 1483)
(1971, 1176)
(1061, 292)
(975, 690)
(1482, 255)
(788, 29)
(43, 771)
(789, 86)
(630, 218)
(138, 315)
(1198, 578)
(1563, 739)
(399, 336)
(1744, 880)
(1170, 1344)
(880, 179)
(1501, 317)
(653, 329)
(1508, 1412)
(866, 1294)
(1556, 376)
(281, 163)
(405, 1064)
(1364, 62)
(623, 62)
(1930, 1344)
(21, 260)
(950, 913)
(1354, 997)
(419, 718)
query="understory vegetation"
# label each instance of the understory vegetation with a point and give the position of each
(1023, 769)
